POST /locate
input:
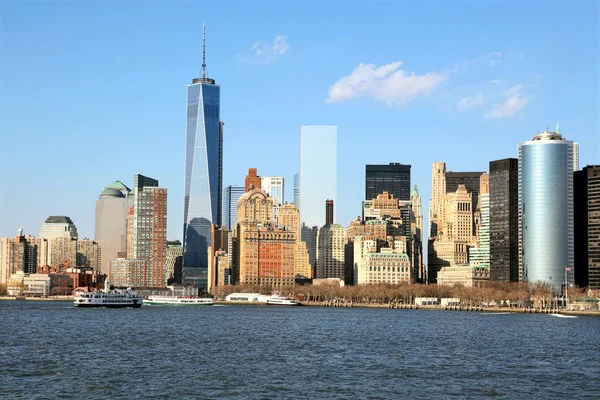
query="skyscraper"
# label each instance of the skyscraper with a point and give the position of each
(318, 171)
(331, 241)
(230, 200)
(471, 180)
(112, 208)
(203, 173)
(587, 227)
(150, 228)
(438, 189)
(274, 185)
(546, 165)
(504, 220)
(393, 178)
(415, 201)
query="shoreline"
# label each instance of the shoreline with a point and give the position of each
(362, 305)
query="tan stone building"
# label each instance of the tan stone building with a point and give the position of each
(465, 275)
(331, 240)
(264, 254)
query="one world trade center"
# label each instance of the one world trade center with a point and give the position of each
(203, 173)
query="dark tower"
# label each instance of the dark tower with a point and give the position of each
(328, 212)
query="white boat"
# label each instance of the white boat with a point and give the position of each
(180, 301)
(276, 300)
(118, 298)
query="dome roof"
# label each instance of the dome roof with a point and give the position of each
(111, 192)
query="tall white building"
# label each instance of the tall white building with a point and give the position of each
(318, 172)
(274, 185)
(546, 236)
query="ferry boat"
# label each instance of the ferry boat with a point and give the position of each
(118, 298)
(179, 301)
(276, 300)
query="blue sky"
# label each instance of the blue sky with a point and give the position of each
(91, 92)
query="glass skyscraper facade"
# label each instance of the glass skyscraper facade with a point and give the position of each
(230, 200)
(393, 178)
(203, 176)
(504, 220)
(546, 237)
(318, 172)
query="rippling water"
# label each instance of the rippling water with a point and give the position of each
(52, 350)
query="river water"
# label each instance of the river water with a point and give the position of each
(52, 350)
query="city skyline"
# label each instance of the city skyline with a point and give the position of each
(154, 124)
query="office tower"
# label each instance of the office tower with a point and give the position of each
(318, 171)
(308, 234)
(150, 228)
(297, 190)
(274, 186)
(393, 178)
(89, 254)
(546, 166)
(56, 226)
(173, 257)
(504, 220)
(471, 181)
(328, 212)
(112, 208)
(331, 240)
(230, 200)
(438, 189)
(203, 173)
(415, 201)
(289, 219)
(587, 227)
(252, 180)
(480, 255)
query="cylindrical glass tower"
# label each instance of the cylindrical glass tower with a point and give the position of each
(546, 166)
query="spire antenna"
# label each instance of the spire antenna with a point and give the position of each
(203, 50)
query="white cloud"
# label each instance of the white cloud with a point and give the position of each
(468, 103)
(492, 58)
(516, 99)
(264, 53)
(387, 84)
(494, 81)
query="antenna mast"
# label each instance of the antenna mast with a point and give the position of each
(203, 50)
